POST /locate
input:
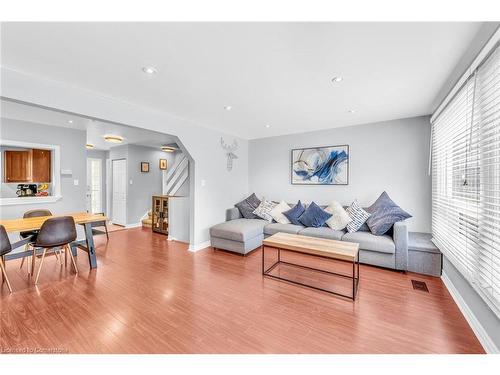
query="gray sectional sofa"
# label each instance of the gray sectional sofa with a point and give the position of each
(242, 235)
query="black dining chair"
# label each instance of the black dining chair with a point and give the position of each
(32, 234)
(5, 248)
(55, 233)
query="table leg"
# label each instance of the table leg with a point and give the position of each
(262, 247)
(90, 245)
(353, 279)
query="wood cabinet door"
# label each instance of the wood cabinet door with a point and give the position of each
(41, 165)
(17, 166)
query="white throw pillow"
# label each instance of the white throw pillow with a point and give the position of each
(264, 209)
(277, 213)
(340, 218)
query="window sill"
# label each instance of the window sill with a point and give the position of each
(28, 200)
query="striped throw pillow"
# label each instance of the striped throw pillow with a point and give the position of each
(358, 216)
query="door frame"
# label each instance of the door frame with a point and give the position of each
(112, 190)
(90, 159)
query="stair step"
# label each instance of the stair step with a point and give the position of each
(147, 223)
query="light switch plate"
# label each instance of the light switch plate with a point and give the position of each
(203, 183)
(75, 182)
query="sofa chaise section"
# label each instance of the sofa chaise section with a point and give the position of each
(239, 235)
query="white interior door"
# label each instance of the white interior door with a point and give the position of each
(119, 210)
(94, 185)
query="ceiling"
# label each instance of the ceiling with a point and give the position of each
(275, 74)
(95, 129)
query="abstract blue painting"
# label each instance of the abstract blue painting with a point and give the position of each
(321, 166)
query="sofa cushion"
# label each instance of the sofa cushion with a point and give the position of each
(368, 241)
(239, 229)
(314, 216)
(322, 232)
(248, 205)
(285, 228)
(295, 212)
(384, 213)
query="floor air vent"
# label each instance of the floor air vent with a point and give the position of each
(420, 285)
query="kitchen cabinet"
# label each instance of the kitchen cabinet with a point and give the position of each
(18, 166)
(41, 171)
(27, 165)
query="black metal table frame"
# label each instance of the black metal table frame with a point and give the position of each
(354, 276)
(86, 245)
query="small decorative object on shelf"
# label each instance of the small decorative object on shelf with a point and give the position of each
(163, 163)
(144, 166)
(160, 214)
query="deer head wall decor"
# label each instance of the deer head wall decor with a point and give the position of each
(229, 152)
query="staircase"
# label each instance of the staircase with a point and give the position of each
(148, 221)
(176, 176)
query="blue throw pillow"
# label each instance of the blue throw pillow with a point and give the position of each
(314, 216)
(294, 213)
(384, 213)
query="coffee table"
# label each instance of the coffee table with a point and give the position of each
(318, 247)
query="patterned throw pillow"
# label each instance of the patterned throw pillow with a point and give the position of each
(277, 213)
(294, 213)
(264, 209)
(314, 216)
(340, 218)
(248, 205)
(358, 217)
(384, 213)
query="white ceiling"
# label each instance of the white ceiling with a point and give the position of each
(270, 73)
(95, 129)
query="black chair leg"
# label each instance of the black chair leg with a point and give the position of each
(106, 228)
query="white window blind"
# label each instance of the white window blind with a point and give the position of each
(465, 164)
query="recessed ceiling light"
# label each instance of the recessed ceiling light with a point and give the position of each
(337, 79)
(352, 111)
(268, 126)
(70, 121)
(149, 70)
(113, 138)
(228, 107)
(89, 146)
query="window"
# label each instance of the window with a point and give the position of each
(94, 175)
(465, 162)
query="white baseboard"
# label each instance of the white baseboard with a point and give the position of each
(200, 246)
(135, 225)
(481, 334)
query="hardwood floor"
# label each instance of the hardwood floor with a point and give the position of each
(152, 296)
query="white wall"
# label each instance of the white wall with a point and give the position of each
(144, 185)
(221, 188)
(391, 156)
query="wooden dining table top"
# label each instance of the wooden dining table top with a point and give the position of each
(33, 223)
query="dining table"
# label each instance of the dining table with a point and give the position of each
(85, 219)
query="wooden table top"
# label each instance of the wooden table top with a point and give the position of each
(315, 246)
(33, 223)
